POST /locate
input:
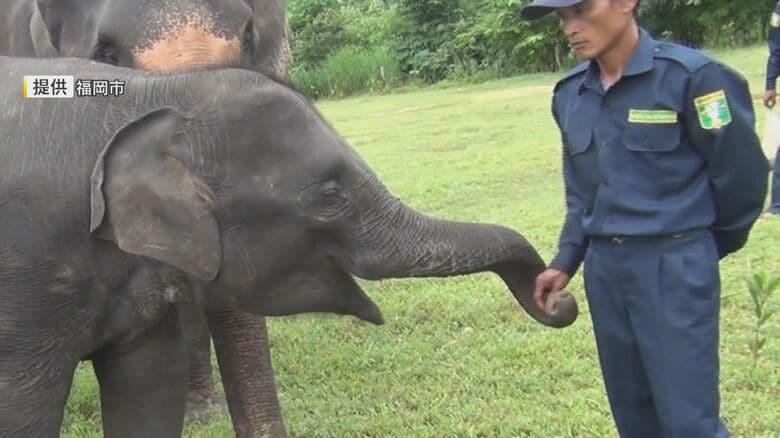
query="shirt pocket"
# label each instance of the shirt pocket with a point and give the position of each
(651, 137)
(653, 159)
(578, 138)
(584, 156)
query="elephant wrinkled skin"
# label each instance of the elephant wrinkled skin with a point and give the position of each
(192, 188)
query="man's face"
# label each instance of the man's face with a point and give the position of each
(593, 26)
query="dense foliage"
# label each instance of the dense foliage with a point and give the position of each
(342, 47)
(708, 23)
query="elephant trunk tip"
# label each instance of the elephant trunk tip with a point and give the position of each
(560, 309)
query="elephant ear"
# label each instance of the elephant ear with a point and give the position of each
(272, 55)
(39, 32)
(147, 201)
(66, 28)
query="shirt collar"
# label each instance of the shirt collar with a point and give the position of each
(641, 61)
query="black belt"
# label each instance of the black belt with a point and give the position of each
(620, 238)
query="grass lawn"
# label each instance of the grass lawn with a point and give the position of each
(458, 357)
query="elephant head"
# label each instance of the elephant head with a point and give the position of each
(246, 191)
(162, 35)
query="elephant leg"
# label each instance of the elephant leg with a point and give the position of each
(241, 344)
(203, 399)
(143, 383)
(32, 404)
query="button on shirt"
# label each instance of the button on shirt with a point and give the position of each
(669, 147)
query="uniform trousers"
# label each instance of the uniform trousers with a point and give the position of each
(774, 205)
(654, 304)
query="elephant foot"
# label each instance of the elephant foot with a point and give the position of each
(203, 404)
(274, 430)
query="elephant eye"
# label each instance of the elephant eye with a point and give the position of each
(326, 202)
(106, 53)
(248, 39)
(333, 197)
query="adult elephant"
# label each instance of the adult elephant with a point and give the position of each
(153, 35)
(215, 186)
(172, 35)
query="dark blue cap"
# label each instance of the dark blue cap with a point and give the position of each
(539, 8)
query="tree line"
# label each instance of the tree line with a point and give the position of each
(342, 47)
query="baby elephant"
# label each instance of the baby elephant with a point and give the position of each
(223, 188)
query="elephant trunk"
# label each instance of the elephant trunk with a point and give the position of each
(401, 242)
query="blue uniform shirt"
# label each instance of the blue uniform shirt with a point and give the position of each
(773, 62)
(670, 147)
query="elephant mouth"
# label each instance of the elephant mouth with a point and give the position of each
(324, 287)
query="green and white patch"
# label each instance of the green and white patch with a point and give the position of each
(713, 110)
(775, 20)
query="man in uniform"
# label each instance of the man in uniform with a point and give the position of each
(664, 176)
(770, 94)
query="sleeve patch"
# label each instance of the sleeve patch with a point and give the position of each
(713, 110)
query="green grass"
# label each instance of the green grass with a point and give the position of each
(349, 71)
(457, 357)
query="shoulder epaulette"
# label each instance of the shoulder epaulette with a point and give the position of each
(570, 74)
(691, 59)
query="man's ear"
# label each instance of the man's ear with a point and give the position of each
(147, 201)
(631, 6)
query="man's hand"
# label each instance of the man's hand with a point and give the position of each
(551, 280)
(769, 98)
